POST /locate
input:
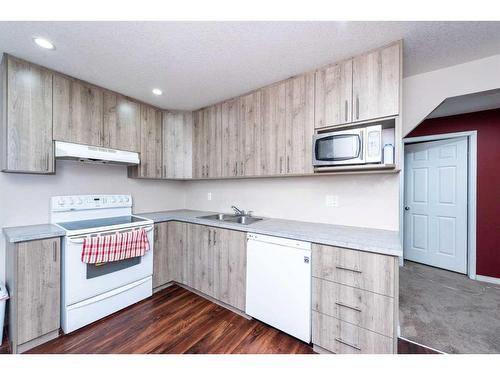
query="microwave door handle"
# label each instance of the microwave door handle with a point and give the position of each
(361, 149)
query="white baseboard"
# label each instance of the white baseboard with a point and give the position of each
(488, 279)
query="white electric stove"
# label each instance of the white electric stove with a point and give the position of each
(89, 291)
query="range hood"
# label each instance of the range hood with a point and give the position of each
(93, 154)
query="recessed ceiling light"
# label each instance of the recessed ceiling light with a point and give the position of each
(157, 92)
(44, 43)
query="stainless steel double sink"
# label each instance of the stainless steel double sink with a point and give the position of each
(231, 218)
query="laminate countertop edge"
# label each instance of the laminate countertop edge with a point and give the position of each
(365, 239)
(32, 232)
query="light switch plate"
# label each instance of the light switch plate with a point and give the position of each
(332, 201)
(209, 196)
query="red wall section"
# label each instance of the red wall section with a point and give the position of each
(487, 124)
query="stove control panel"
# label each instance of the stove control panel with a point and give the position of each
(89, 202)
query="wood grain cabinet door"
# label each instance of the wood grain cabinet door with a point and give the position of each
(249, 134)
(199, 145)
(299, 124)
(161, 275)
(122, 123)
(230, 267)
(27, 140)
(176, 250)
(213, 132)
(200, 268)
(151, 143)
(38, 288)
(376, 83)
(78, 112)
(177, 144)
(273, 130)
(333, 95)
(231, 146)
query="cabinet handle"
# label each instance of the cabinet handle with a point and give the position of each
(209, 242)
(348, 306)
(236, 168)
(156, 232)
(46, 162)
(207, 170)
(348, 269)
(54, 250)
(215, 241)
(164, 171)
(346, 111)
(357, 108)
(346, 343)
(288, 164)
(241, 169)
(281, 164)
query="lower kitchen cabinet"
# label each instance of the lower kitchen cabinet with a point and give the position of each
(230, 267)
(33, 281)
(354, 300)
(341, 337)
(160, 258)
(200, 258)
(210, 260)
(169, 257)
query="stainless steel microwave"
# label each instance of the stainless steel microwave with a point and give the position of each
(344, 147)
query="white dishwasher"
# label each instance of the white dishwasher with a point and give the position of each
(279, 283)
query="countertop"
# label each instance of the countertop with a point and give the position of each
(32, 232)
(366, 239)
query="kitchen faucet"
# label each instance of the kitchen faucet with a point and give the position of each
(239, 212)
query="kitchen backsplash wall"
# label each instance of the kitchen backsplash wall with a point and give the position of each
(24, 199)
(363, 200)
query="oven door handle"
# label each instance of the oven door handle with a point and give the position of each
(79, 240)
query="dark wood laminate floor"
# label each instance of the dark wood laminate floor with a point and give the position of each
(175, 320)
(178, 321)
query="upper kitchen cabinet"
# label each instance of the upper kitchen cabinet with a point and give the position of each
(151, 145)
(299, 124)
(249, 142)
(231, 150)
(78, 112)
(26, 103)
(207, 152)
(273, 129)
(122, 123)
(177, 144)
(333, 97)
(376, 83)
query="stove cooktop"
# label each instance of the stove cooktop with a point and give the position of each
(99, 223)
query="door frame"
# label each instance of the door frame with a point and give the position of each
(471, 190)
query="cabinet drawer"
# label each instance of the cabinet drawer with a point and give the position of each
(368, 271)
(359, 307)
(345, 338)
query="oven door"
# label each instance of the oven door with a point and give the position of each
(82, 281)
(339, 148)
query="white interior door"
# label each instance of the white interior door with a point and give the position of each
(435, 220)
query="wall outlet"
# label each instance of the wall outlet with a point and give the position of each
(209, 196)
(332, 201)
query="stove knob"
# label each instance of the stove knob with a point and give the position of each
(79, 201)
(121, 200)
(61, 201)
(113, 200)
(126, 199)
(71, 201)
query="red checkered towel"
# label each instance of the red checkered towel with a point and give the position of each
(119, 246)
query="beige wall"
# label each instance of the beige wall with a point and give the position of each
(422, 93)
(364, 200)
(24, 199)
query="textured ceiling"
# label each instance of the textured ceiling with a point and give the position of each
(200, 63)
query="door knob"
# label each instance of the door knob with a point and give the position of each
(407, 208)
